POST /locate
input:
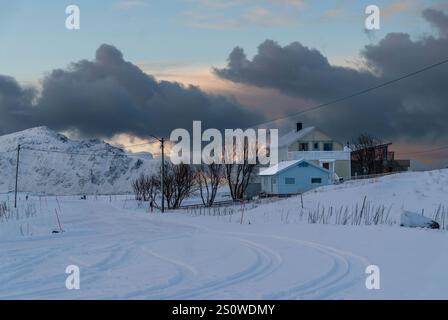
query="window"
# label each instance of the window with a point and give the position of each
(328, 146)
(274, 180)
(303, 165)
(316, 180)
(303, 147)
(316, 145)
(290, 181)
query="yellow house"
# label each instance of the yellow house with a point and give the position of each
(314, 145)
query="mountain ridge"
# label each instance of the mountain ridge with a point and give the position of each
(51, 163)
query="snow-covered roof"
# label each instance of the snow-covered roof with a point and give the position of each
(284, 165)
(293, 136)
(272, 170)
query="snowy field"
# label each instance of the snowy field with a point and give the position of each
(263, 250)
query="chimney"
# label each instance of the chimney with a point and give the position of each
(299, 126)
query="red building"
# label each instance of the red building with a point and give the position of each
(376, 160)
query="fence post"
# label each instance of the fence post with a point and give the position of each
(17, 175)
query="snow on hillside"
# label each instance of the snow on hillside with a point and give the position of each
(422, 192)
(72, 167)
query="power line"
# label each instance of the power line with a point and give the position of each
(376, 87)
(69, 153)
(138, 145)
(87, 154)
(66, 152)
(159, 153)
(83, 154)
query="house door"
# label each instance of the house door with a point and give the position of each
(268, 185)
(326, 165)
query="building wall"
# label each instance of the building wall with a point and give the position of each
(269, 184)
(341, 167)
(316, 136)
(302, 176)
(283, 154)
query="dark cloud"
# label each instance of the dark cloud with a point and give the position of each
(293, 69)
(414, 108)
(15, 105)
(109, 96)
(438, 19)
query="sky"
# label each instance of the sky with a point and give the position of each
(35, 40)
(192, 41)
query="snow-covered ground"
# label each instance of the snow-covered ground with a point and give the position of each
(422, 192)
(269, 252)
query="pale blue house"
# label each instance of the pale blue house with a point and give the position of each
(293, 177)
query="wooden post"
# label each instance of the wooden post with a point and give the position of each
(163, 173)
(17, 175)
(242, 212)
(362, 209)
(59, 221)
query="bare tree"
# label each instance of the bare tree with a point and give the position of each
(184, 183)
(179, 183)
(240, 171)
(153, 190)
(146, 188)
(208, 179)
(138, 185)
(368, 154)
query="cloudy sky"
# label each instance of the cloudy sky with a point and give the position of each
(138, 67)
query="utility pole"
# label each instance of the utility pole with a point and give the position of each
(17, 175)
(162, 141)
(163, 173)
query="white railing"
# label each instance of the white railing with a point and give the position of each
(319, 155)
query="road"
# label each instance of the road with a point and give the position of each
(129, 254)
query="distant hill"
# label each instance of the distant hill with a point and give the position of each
(50, 163)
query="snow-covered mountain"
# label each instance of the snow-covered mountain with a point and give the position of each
(50, 163)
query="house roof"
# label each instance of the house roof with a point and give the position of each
(293, 136)
(284, 165)
(277, 168)
(377, 146)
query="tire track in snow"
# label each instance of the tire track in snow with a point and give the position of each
(70, 246)
(183, 272)
(266, 262)
(107, 265)
(31, 286)
(110, 263)
(339, 277)
(25, 268)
